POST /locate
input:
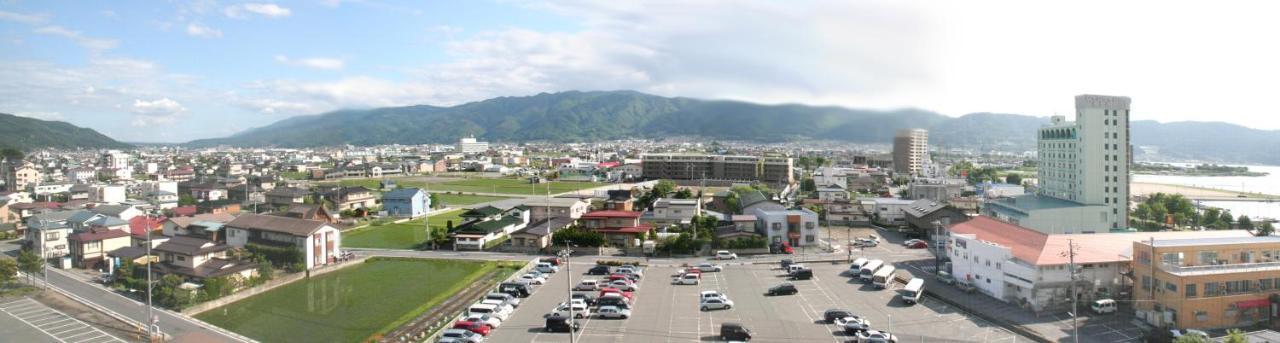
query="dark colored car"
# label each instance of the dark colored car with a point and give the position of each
(734, 332)
(515, 289)
(476, 327)
(589, 299)
(831, 315)
(559, 324)
(598, 270)
(803, 274)
(786, 263)
(783, 289)
(918, 245)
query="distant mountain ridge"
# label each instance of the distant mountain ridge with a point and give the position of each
(576, 116)
(27, 134)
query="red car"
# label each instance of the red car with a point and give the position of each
(555, 261)
(786, 248)
(476, 327)
(918, 245)
(615, 290)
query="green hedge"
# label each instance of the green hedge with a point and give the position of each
(745, 243)
(578, 237)
(278, 256)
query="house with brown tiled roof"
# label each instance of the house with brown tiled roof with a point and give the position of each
(320, 242)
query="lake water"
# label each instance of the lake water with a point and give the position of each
(1269, 184)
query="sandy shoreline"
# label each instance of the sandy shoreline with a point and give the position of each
(1199, 193)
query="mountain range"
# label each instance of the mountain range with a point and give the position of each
(586, 116)
(26, 134)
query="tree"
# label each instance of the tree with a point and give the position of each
(808, 185)
(1236, 336)
(186, 200)
(8, 268)
(1266, 229)
(733, 203)
(1143, 211)
(1225, 220)
(1013, 179)
(435, 201)
(1245, 223)
(662, 188)
(11, 154)
(30, 263)
(684, 193)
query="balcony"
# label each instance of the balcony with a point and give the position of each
(1220, 268)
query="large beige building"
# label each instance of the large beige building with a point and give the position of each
(910, 149)
(1208, 283)
(770, 170)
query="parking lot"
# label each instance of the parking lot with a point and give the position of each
(52, 324)
(662, 312)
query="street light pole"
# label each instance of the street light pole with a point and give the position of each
(568, 286)
(151, 320)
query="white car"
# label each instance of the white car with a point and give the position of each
(853, 324)
(686, 279)
(725, 255)
(587, 285)
(874, 336)
(708, 267)
(1189, 332)
(544, 267)
(613, 312)
(461, 335)
(624, 285)
(533, 279)
(491, 321)
(710, 295)
(630, 271)
(708, 304)
(501, 305)
(866, 242)
(579, 310)
(513, 301)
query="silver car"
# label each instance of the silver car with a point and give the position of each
(613, 312)
(461, 335)
(708, 304)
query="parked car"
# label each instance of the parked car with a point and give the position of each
(708, 304)
(853, 324)
(476, 327)
(708, 267)
(866, 242)
(1189, 332)
(587, 285)
(783, 289)
(686, 279)
(803, 274)
(786, 263)
(831, 315)
(794, 267)
(611, 290)
(946, 278)
(709, 295)
(533, 279)
(874, 336)
(965, 286)
(918, 245)
(632, 273)
(613, 312)
(726, 255)
(485, 319)
(515, 289)
(587, 298)
(510, 299)
(460, 335)
(911, 241)
(734, 332)
(545, 267)
(501, 305)
(625, 285)
(580, 310)
(555, 261)
(501, 312)
(613, 300)
(1103, 306)
(560, 324)
(598, 270)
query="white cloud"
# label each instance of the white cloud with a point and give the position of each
(198, 30)
(96, 44)
(29, 19)
(160, 111)
(243, 11)
(326, 63)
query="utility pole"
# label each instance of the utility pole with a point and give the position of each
(568, 287)
(153, 322)
(1075, 311)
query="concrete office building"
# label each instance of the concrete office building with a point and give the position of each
(775, 171)
(910, 150)
(469, 145)
(1083, 172)
(1227, 282)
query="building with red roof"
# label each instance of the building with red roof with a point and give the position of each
(620, 228)
(1030, 268)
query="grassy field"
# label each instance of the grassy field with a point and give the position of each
(350, 305)
(461, 199)
(511, 186)
(406, 235)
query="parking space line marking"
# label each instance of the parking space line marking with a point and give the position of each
(32, 312)
(56, 322)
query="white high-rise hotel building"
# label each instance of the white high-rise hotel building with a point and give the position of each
(1083, 173)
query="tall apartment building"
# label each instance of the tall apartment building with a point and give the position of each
(910, 149)
(115, 159)
(1083, 172)
(469, 145)
(775, 171)
(1207, 283)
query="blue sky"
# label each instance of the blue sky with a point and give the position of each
(173, 71)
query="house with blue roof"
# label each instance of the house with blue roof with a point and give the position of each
(406, 202)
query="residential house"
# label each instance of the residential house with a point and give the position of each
(320, 242)
(536, 237)
(543, 208)
(619, 200)
(755, 200)
(620, 228)
(247, 194)
(48, 232)
(285, 196)
(940, 191)
(796, 227)
(889, 211)
(833, 192)
(163, 200)
(46, 189)
(309, 212)
(672, 211)
(348, 198)
(207, 226)
(124, 212)
(89, 248)
(107, 194)
(926, 217)
(198, 259)
(406, 202)
(485, 226)
(208, 191)
(81, 175)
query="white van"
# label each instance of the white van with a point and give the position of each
(911, 294)
(883, 277)
(869, 270)
(1103, 306)
(856, 266)
(489, 309)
